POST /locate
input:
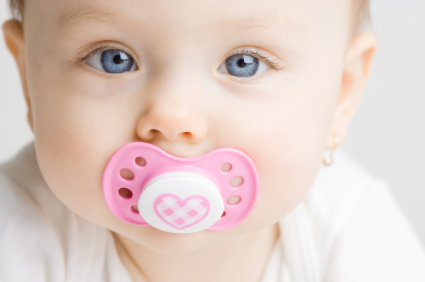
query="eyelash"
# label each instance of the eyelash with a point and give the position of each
(100, 49)
(270, 62)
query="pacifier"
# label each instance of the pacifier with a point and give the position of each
(143, 185)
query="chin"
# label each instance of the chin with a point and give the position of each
(174, 243)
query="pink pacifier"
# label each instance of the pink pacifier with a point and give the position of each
(143, 185)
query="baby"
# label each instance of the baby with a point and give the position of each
(278, 80)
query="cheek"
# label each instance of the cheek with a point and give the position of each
(71, 159)
(286, 141)
(75, 136)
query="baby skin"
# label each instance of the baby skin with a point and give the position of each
(276, 79)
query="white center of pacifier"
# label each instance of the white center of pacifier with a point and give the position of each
(181, 202)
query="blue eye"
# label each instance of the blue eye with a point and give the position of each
(112, 61)
(242, 65)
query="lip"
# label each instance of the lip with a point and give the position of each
(180, 151)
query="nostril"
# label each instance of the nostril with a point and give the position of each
(152, 134)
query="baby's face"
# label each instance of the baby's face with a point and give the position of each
(162, 76)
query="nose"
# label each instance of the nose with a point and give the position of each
(174, 113)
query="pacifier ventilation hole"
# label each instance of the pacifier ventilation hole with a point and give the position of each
(140, 161)
(236, 181)
(223, 214)
(226, 167)
(135, 208)
(233, 200)
(125, 193)
(126, 174)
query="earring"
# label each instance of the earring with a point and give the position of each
(328, 161)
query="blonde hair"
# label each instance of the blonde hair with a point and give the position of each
(16, 8)
(360, 13)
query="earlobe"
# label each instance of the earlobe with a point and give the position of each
(357, 67)
(14, 38)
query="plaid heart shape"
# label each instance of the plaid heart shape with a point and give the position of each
(178, 213)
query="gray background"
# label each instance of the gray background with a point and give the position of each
(386, 136)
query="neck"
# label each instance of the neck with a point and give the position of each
(239, 258)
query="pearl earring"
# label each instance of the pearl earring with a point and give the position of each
(328, 160)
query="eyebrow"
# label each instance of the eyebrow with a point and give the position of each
(91, 12)
(86, 12)
(252, 23)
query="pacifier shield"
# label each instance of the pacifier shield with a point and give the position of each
(179, 195)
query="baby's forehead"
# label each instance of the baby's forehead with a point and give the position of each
(215, 15)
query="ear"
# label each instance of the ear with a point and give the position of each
(357, 66)
(14, 38)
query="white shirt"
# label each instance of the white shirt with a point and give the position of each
(348, 228)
